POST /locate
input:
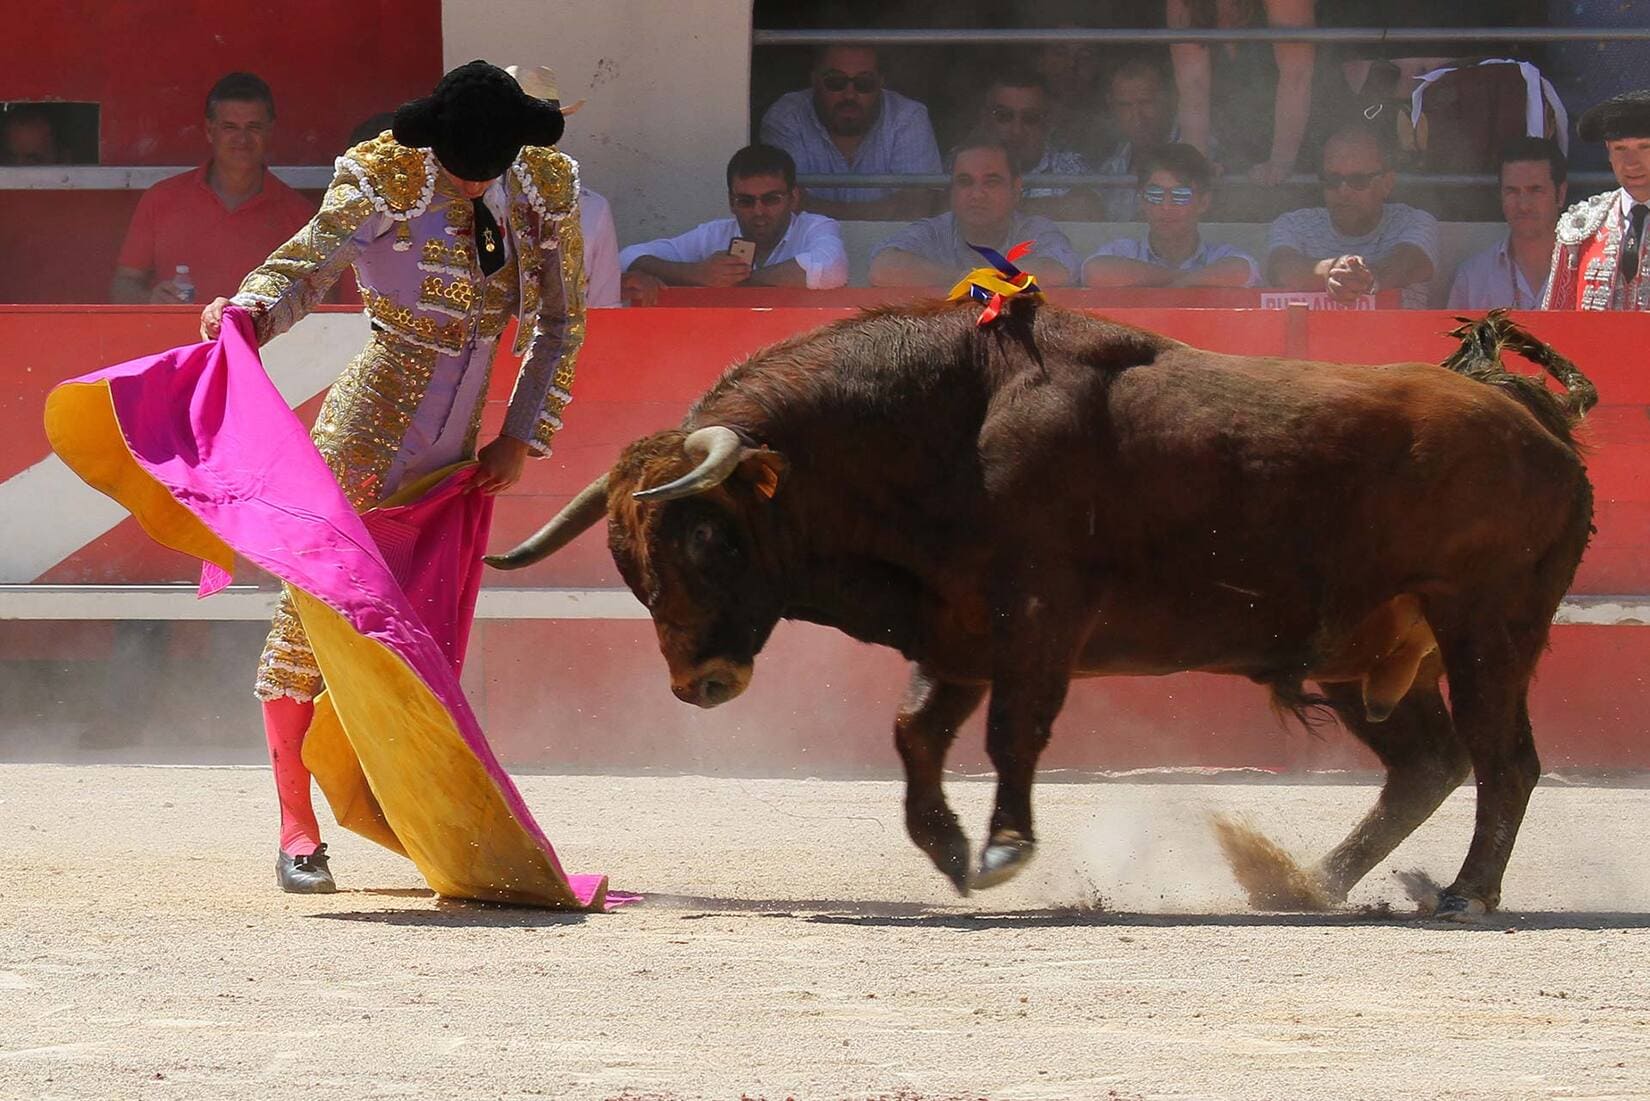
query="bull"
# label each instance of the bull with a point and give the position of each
(1056, 495)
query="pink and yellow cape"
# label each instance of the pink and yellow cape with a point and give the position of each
(199, 445)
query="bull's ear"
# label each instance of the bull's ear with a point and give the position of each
(764, 470)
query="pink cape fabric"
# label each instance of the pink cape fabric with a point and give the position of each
(206, 422)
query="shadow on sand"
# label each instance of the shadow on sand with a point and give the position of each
(872, 914)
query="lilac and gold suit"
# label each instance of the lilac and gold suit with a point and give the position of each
(410, 403)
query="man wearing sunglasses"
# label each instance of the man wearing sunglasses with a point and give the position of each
(847, 122)
(985, 190)
(1016, 112)
(1174, 196)
(788, 248)
(1599, 261)
(1357, 243)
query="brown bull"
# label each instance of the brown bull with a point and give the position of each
(1056, 495)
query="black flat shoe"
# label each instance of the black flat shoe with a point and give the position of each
(304, 875)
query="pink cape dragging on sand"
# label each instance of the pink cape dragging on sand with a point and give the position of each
(199, 445)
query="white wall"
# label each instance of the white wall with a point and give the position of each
(668, 84)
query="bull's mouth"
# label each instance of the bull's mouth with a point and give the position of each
(712, 683)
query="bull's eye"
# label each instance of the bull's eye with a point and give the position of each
(701, 542)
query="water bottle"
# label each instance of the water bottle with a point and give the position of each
(184, 284)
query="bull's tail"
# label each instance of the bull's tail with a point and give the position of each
(1479, 357)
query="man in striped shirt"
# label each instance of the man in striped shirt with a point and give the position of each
(1357, 243)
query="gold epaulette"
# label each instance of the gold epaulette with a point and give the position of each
(398, 180)
(549, 179)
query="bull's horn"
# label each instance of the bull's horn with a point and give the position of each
(719, 446)
(581, 513)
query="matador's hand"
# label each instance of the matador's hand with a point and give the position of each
(502, 462)
(212, 318)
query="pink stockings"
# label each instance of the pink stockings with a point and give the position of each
(285, 722)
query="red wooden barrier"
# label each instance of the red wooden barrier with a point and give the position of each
(593, 693)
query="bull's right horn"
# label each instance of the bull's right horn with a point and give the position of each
(719, 446)
(581, 513)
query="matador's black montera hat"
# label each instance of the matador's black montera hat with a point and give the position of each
(477, 120)
(1623, 116)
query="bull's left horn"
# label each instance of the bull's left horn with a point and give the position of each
(581, 513)
(719, 446)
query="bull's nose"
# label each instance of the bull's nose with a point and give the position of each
(706, 691)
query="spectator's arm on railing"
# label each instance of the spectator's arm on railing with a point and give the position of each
(820, 264)
(894, 267)
(1232, 271)
(720, 269)
(787, 274)
(131, 286)
(1120, 271)
(1404, 266)
(1290, 269)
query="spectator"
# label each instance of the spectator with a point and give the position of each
(1514, 272)
(603, 285)
(1140, 102)
(1016, 113)
(601, 240)
(985, 192)
(1357, 243)
(1070, 72)
(848, 123)
(1244, 103)
(29, 137)
(1175, 192)
(221, 219)
(792, 249)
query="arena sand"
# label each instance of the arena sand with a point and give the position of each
(793, 944)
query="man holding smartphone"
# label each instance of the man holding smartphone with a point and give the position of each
(769, 241)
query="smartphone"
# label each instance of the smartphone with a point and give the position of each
(744, 248)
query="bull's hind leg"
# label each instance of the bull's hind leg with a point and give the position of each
(923, 731)
(1489, 668)
(1424, 760)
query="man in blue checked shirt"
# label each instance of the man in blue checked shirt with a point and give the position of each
(847, 122)
(985, 193)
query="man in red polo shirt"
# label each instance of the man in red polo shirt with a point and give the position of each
(222, 219)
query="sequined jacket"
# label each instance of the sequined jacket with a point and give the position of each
(410, 240)
(1585, 273)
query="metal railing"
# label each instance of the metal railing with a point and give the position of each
(1165, 36)
(1581, 180)
(117, 177)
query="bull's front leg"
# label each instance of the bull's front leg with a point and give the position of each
(923, 731)
(1034, 645)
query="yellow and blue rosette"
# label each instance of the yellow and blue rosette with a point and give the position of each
(995, 285)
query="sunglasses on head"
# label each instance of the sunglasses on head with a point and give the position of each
(864, 83)
(1178, 196)
(1031, 116)
(1357, 181)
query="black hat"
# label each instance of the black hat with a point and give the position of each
(476, 121)
(1623, 116)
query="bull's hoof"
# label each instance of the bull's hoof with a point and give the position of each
(952, 861)
(936, 832)
(1003, 859)
(1459, 908)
